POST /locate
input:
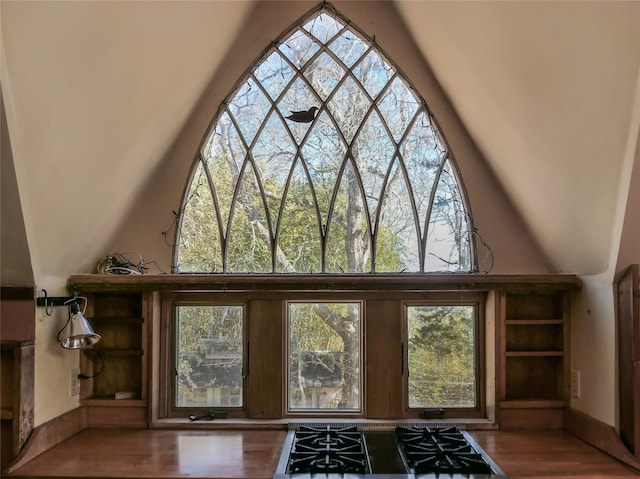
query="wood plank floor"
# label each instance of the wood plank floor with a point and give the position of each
(161, 454)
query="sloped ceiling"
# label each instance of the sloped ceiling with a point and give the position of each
(547, 90)
(95, 93)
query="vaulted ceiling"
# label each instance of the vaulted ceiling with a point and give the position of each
(547, 90)
(96, 92)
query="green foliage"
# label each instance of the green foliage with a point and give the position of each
(324, 352)
(199, 247)
(441, 356)
(209, 349)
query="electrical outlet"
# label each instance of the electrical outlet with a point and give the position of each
(575, 383)
(75, 381)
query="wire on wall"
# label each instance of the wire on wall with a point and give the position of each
(120, 263)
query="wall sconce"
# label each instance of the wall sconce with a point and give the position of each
(77, 333)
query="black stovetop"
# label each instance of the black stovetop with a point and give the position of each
(407, 452)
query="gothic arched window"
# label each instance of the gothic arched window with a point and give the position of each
(362, 183)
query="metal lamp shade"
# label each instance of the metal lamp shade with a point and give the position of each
(77, 333)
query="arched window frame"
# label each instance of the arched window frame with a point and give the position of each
(274, 225)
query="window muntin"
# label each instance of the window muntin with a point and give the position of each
(442, 356)
(324, 356)
(368, 185)
(209, 360)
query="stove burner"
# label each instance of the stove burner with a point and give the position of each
(328, 450)
(442, 451)
(325, 463)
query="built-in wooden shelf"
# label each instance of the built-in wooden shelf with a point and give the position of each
(118, 361)
(129, 312)
(534, 357)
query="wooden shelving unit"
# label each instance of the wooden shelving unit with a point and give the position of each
(129, 311)
(117, 364)
(534, 354)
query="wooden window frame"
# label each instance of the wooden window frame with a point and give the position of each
(174, 329)
(478, 302)
(287, 411)
(384, 388)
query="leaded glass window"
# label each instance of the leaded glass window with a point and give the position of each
(360, 180)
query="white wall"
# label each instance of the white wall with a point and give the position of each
(593, 349)
(53, 364)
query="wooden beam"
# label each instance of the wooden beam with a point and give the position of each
(228, 283)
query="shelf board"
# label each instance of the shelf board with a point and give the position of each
(6, 413)
(110, 401)
(122, 319)
(532, 404)
(540, 354)
(520, 322)
(120, 352)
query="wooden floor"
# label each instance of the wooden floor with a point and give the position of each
(143, 453)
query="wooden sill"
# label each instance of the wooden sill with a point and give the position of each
(285, 423)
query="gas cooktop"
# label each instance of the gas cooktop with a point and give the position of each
(412, 451)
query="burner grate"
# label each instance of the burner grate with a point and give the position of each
(326, 449)
(440, 450)
(328, 462)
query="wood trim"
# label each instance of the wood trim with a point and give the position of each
(154, 326)
(323, 282)
(598, 434)
(628, 332)
(50, 434)
(163, 372)
(566, 309)
(501, 346)
(146, 321)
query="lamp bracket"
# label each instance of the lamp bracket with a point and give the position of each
(48, 301)
(51, 301)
